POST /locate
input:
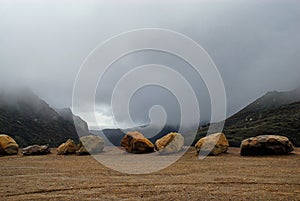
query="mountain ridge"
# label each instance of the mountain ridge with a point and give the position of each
(80, 125)
(273, 113)
(270, 100)
(30, 120)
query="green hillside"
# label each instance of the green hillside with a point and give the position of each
(275, 113)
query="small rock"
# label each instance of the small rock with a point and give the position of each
(135, 142)
(213, 144)
(170, 143)
(266, 145)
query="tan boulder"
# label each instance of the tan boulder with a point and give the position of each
(266, 145)
(213, 144)
(69, 147)
(170, 143)
(90, 144)
(135, 142)
(8, 145)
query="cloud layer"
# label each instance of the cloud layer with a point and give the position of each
(254, 44)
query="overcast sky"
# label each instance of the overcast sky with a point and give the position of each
(255, 46)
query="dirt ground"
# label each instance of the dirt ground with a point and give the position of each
(225, 177)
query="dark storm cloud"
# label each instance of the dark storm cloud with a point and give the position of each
(254, 45)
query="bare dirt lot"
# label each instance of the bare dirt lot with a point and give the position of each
(225, 177)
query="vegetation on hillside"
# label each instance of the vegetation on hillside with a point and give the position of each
(30, 120)
(269, 119)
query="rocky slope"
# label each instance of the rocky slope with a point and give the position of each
(30, 120)
(80, 125)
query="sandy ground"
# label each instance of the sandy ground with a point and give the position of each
(225, 177)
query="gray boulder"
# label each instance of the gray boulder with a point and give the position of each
(36, 150)
(90, 144)
(266, 145)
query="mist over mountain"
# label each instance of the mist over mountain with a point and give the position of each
(254, 44)
(30, 120)
(270, 100)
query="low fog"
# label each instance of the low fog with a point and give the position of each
(254, 44)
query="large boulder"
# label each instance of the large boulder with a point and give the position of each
(170, 143)
(69, 147)
(36, 150)
(213, 144)
(135, 142)
(8, 145)
(266, 145)
(90, 144)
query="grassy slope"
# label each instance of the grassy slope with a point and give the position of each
(274, 113)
